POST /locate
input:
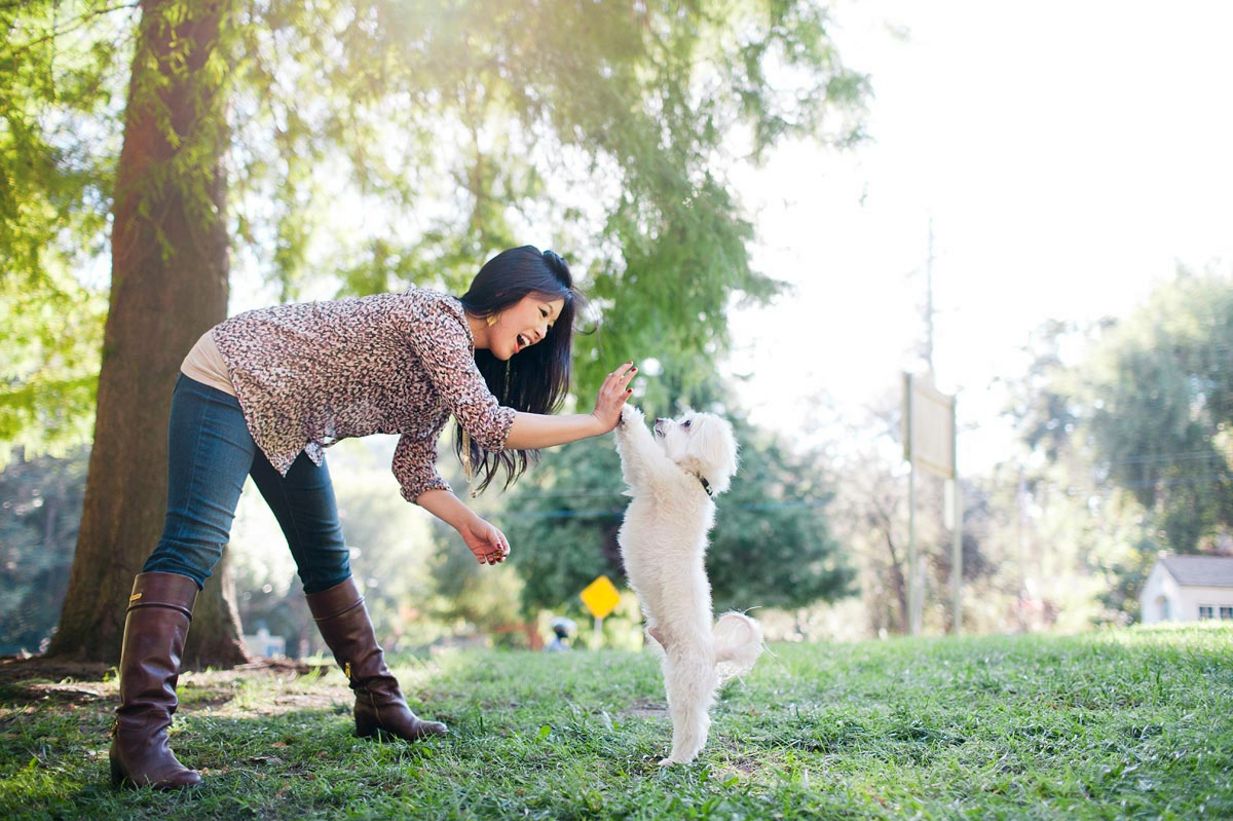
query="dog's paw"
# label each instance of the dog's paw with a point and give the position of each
(631, 415)
(675, 759)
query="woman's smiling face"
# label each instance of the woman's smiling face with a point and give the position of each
(523, 324)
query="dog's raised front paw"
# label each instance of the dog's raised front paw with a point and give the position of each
(631, 415)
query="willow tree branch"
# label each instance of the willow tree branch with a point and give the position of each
(72, 26)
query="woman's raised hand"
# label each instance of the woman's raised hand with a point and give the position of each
(613, 394)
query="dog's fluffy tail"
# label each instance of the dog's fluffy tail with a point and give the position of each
(738, 643)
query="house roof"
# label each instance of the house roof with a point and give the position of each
(1200, 571)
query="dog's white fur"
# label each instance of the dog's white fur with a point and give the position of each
(663, 544)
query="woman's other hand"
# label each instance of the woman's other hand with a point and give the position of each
(613, 395)
(485, 541)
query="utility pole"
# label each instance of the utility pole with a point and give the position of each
(929, 303)
(916, 580)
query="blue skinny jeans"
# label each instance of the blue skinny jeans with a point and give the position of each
(210, 452)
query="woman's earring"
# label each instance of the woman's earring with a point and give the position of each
(492, 320)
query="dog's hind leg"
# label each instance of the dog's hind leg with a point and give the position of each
(658, 635)
(690, 679)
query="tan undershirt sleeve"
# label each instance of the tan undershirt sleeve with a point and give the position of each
(206, 365)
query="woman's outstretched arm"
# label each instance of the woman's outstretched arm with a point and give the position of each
(532, 431)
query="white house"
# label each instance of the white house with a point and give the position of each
(1188, 588)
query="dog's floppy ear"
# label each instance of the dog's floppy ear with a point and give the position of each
(715, 450)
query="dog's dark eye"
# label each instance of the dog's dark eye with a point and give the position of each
(686, 424)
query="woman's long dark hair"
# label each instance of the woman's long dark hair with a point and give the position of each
(536, 379)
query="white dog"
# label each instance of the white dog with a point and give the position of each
(672, 477)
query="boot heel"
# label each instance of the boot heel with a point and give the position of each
(118, 778)
(366, 726)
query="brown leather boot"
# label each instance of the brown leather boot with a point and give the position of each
(155, 627)
(379, 706)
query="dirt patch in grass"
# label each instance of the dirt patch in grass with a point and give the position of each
(643, 708)
(39, 680)
(14, 669)
(35, 680)
(291, 701)
(76, 693)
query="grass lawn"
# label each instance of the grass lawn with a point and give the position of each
(1127, 723)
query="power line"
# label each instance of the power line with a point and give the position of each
(565, 513)
(1195, 455)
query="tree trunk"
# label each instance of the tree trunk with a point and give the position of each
(898, 580)
(214, 638)
(168, 285)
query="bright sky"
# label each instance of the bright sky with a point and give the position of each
(1070, 154)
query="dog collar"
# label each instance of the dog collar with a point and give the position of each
(706, 486)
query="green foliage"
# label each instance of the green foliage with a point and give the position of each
(64, 69)
(61, 75)
(56, 153)
(1121, 723)
(1160, 393)
(562, 521)
(474, 598)
(770, 546)
(379, 143)
(50, 337)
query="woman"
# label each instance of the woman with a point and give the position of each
(263, 394)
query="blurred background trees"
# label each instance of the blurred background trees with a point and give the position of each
(40, 510)
(1131, 438)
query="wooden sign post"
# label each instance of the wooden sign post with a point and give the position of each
(929, 442)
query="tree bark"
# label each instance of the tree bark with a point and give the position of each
(898, 577)
(168, 286)
(214, 638)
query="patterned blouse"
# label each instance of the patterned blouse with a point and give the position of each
(311, 374)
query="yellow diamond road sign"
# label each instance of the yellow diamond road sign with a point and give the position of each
(600, 597)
